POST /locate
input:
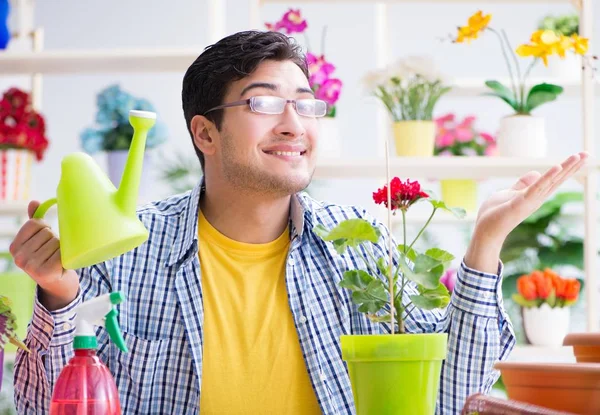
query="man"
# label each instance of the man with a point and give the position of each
(232, 304)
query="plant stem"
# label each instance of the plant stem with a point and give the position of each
(410, 311)
(390, 247)
(323, 33)
(307, 42)
(502, 47)
(423, 228)
(517, 66)
(365, 259)
(525, 75)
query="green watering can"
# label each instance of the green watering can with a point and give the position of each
(96, 221)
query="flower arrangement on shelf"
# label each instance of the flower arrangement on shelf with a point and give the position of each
(21, 127)
(546, 287)
(379, 292)
(546, 298)
(325, 86)
(114, 132)
(410, 89)
(461, 138)
(519, 95)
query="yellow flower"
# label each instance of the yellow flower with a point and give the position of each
(580, 44)
(476, 24)
(545, 43)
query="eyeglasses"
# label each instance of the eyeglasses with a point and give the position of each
(270, 105)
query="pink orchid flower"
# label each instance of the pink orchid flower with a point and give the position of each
(449, 279)
(445, 139)
(329, 91)
(318, 68)
(487, 137)
(463, 134)
(293, 22)
(467, 122)
(441, 121)
(491, 149)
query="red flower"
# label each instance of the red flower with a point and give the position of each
(403, 195)
(526, 287)
(20, 125)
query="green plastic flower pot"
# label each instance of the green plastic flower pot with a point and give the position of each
(395, 374)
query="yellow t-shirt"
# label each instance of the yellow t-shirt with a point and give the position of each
(252, 360)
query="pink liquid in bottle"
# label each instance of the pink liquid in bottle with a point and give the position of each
(85, 387)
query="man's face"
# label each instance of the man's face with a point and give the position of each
(271, 154)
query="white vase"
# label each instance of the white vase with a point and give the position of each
(546, 326)
(522, 136)
(567, 69)
(116, 163)
(330, 141)
(15, 174)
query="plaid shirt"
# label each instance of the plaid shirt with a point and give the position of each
(162, 318)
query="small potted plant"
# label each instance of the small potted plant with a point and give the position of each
(412, 360)
(114, 132)
(546, 298)
(461, 138)
(22, 139)
(8, 327)
(321, 80)
(569, 66)
(410, 88)
(522, 134)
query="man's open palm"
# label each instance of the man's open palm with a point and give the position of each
(506, 209)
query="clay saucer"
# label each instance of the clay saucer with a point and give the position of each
(570, 387)
(586, 346)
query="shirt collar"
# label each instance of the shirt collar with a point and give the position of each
(187, 239)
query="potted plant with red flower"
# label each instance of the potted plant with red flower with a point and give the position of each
(22, 138)
(321, 81)
(461, 138)
(546, 297)
(412, 360)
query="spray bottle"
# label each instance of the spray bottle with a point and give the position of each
(85, 385)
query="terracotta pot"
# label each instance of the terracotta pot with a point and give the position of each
(571, 387)
(586, 346)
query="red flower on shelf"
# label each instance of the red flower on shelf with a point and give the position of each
(403, 194)
(546, 287)
(21, 127)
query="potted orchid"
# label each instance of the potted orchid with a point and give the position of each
(22, 140)
(521, 133)
(461, 138)
(546, 297)
(409, 88)
(378, 289)
(321, 80)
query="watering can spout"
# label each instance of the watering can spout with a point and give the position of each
(127, 194)
(96, 221)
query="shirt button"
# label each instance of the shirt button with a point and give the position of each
(66, 326)
(302, 319)
(323, 377)
(291, 261)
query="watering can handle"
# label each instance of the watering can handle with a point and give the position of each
(43, 208)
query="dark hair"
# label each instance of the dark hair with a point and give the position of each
(230, 59)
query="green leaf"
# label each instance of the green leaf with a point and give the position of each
(425, 263)
(356, 280)
(503, 93)
(379, 319)
(410, 254)
(567, 253)
(456, 211)
(551, 299)
(442, 256)
(430, 301)
(383, 267)
(351, 232)
(553, 206)
(428, 279)
(519, 299)
(372, 299)
(540, 94)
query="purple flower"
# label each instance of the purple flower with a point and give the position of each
(329, 91)
(291, 22)
(318, 68)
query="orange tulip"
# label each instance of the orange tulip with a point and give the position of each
(572, 290)
(526, 287)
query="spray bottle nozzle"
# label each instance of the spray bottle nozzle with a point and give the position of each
(99, 311)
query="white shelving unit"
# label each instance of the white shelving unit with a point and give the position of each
(429, 168)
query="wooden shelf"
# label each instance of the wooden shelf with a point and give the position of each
(420, 1)
(436, 167)
(98, 61)
(13, 208)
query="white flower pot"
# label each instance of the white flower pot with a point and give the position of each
(330, 141)
(522, 136)
(116, 163)
(15, 174)
(567, 69)
(546, 326)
